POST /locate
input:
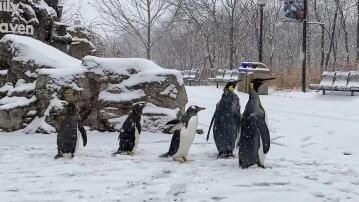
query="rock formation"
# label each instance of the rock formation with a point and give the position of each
(39, 19)
(34, 77)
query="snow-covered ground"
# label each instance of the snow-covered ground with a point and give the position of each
(318, 160)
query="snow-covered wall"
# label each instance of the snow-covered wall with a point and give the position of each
(34, 77)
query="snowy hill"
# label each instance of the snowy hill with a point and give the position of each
(318, 160)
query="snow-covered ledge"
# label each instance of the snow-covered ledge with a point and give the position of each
(36, 75)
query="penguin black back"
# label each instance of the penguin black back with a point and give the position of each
(226, 121)
(254, 140)
(67, 133)
(130, 131)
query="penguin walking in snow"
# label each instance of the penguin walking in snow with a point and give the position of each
(130, 133)
(67, 137)
(183, 131)
(226, 121)
(254, 141)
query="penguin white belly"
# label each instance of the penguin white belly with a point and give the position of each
(261, 154)
(187, 137)
(137, 140)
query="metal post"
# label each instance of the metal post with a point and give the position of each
(304, 47)
(260, 45)
(357, 50)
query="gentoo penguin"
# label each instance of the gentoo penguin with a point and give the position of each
(183, 131)
(67, 137)
(130, 133)
(226, 121)
(254, 141)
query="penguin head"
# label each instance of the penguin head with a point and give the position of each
(258, 82)
(138, 107)
(193, 110)
(230, 86)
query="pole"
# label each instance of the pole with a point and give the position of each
(260, 45)
(357, 50)
(304, 47)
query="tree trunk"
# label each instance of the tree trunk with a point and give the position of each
(332, 37)
(322, 48)
(344, 27)
(322, 37)
(231, 37)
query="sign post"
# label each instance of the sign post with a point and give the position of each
(261, 5)
(304, 48)
(297, 10)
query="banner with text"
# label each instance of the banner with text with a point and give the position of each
(12, 20)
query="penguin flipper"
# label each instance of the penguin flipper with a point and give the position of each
(265, 136)
(83, 134)
(210, 125)
(173, 122)
(174, 143)
(176, 125)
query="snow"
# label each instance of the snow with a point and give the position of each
(153, 109)
(7, 103)
(140, 70)
(21, 87)
(7, 87)
(124, 96)
(316, 133)
(3, 72)
(28, 49)
(170, 91)
(42, 5)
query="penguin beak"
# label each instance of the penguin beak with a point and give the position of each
(200, 108)
(268, 79)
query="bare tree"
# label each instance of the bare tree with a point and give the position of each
(139, 18)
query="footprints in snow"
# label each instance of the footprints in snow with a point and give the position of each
(307, 144)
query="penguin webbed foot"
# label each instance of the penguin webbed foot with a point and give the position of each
(122, 153)
(180, 159)
(242, 165)
(166, 155)
(225, 155)
(58, 156)
(261, 166)
(115, 153)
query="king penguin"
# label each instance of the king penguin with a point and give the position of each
(254, 141)
(130, 132)
(67, 137)
(183, 130)
(226, 121)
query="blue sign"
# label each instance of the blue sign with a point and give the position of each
(294, 9)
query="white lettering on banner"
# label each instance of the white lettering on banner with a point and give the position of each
(6, 6)
(9, 28)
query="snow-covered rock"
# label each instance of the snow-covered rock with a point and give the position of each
(37, 75)
(40, 20)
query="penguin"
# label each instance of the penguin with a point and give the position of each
(183, 130)
(67, 137)
(254, 140)
(129, 136)
(226, 121)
